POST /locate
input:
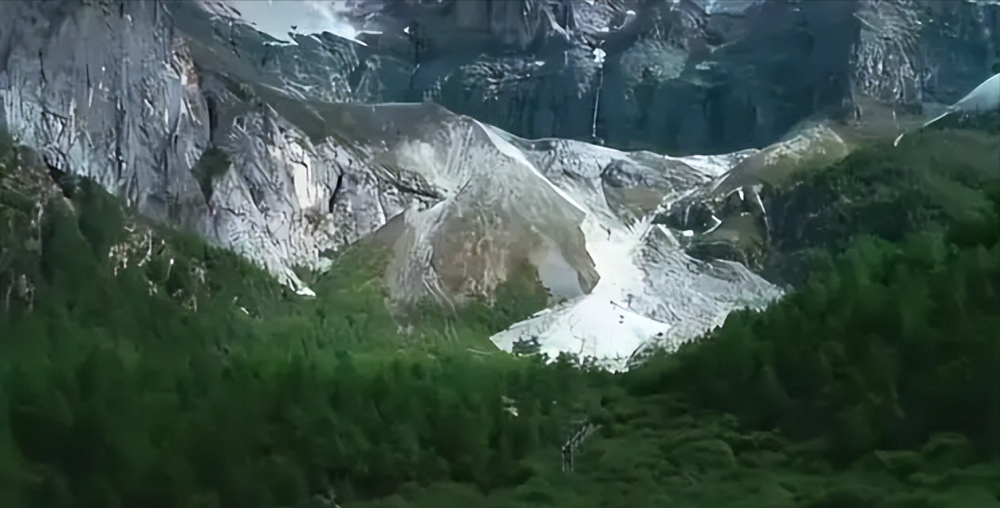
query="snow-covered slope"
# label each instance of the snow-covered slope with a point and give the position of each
(650, 291)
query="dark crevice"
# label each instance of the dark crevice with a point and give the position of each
(336, 191)
(213, 117)
(67, 182)
(212, 164)
(419, 192)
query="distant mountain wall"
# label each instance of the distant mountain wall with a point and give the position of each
(689, 76)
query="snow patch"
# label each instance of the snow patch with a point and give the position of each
(600, 324)
(649, 291)
(284, 17)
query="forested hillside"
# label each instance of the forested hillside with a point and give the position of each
(141, 368)
(935, 178)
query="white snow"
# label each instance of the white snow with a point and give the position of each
(714, 165)
(599, 324)
(638, 299)
(277, 18)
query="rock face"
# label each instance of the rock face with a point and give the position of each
(281, 152)
(683, 76)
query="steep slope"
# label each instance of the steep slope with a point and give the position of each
(650, 291)
(259, 146)
(482, 210)
(684, 76)
(165, 116)
(112, 92)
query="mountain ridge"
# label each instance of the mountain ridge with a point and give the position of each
(144, 96)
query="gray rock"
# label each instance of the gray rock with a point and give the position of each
(279, 151)
(695, 76)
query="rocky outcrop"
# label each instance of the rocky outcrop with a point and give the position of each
(113, 91)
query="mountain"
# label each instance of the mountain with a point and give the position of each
(286, 151)
(140, 367)
(237, 271)
(687, 76)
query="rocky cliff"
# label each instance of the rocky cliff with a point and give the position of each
(686, 76)
(277, 149)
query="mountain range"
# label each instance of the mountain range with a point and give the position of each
(474, 138)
